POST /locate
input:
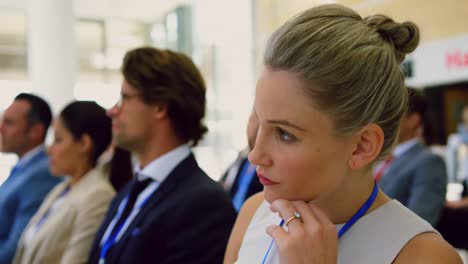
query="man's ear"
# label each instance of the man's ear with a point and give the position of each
(36, 132)
(160, 111)
(414, 119)
(368, 144)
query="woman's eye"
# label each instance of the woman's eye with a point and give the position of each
(285, 135)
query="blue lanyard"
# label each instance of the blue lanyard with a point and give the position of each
(360, 212)
(113, 236)
(246, 176)
(348, 224)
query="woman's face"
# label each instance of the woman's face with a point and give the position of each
(298, 154)
(65, 153)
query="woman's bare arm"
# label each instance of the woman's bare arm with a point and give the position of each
(243, 219)
(428, 248)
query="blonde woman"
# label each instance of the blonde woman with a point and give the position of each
(329, 103)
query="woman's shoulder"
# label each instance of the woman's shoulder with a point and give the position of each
(246, 214)
(98, 177)
(95, 186)
(248, 210)
(417, 240)
(428, 248)
(251, 204)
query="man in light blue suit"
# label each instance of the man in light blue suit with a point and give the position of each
(415, 177)
(23, 130)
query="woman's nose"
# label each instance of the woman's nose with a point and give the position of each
(259, 154)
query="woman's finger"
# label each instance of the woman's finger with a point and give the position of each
(307, 215)
(288, 212)
(277, 233)
(313, 211)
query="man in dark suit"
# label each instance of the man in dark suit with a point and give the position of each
(415, 176)
(240, 179)
(172, 212)
(23, 129)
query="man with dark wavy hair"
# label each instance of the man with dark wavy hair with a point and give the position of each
(172, 212)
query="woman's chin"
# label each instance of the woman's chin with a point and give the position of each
(270, 196)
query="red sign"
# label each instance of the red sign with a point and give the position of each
(457, 60)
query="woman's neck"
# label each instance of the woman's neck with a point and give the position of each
(79, 172)
(342, 204)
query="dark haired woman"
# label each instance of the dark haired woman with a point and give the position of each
(65, 225)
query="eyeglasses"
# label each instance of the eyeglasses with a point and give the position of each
(125, 98)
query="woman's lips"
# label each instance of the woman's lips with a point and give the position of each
(265, 181)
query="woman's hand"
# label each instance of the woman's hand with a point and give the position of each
(310, 239)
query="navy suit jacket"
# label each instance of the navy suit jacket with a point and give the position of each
(187, 220)
(418, 180)
(20, 197)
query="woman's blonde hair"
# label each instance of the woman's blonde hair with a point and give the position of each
(352, 62)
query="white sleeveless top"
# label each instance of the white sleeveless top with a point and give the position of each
(377, 237)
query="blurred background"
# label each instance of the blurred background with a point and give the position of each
(65, 50)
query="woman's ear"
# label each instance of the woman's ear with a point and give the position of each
(86, 144)
(368, 144)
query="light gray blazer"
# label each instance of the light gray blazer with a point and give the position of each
(68, 232)
(418, 180)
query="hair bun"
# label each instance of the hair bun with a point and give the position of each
(403, 36)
